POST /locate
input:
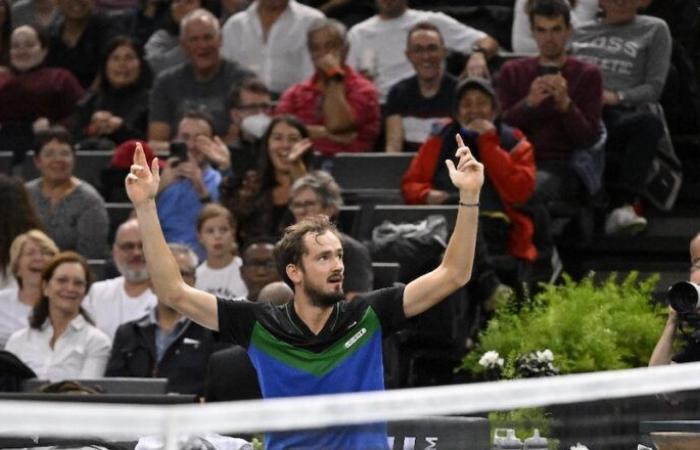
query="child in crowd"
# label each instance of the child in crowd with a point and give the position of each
(220, 274)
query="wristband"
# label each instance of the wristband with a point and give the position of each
(469, 205)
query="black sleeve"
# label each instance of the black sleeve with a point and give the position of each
(393, 101)
(387, 303)
(358, 266)
(690, 353)
(116, 365)
(236, 320)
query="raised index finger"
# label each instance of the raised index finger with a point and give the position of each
(460, 142)
(139, 156)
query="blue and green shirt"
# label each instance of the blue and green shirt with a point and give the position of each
(346, 356)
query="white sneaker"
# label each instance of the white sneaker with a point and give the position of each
(624, 220)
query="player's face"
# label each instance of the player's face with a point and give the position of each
(322, 268)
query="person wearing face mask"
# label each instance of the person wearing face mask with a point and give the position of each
(33, 95)
(118, 109)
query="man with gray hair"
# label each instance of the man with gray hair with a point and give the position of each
(339, 106)
(127, 297)
(199, 84)
(164, 343)
(318, 193)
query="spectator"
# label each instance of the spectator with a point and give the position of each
(249, 104)
(556, 100)
(258, 269)
(269, 38)
(164, 343)
(201, 83)
(37, 13)
(163, 48)
(29, 254)
(128, 297)
(663, 352)
(259, 198)
(506, 155)
(220, 274)
(72, 211)
(118, 109)
(33, 95)
(61, 341)
(186, 185)
(277, 293)
(111, 177)
(522, 38)
(18, 219)
(377, 45)
(633, 52)
(148, 17)
(338, 105)
(77, 39)
(419, 103)
(318, 193)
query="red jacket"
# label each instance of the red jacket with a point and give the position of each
(512, 174)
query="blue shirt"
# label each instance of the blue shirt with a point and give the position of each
(178, 208)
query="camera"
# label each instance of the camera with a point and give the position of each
(684, 297)
(178, 150)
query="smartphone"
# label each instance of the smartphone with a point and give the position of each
(178, 150)
(548, 69)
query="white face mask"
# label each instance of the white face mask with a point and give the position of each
(256, 124)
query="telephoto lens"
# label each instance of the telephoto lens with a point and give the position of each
(684, 297)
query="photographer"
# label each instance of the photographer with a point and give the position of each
(188, 181)
(691, 352)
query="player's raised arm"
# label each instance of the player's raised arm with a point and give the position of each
(456, 267)
(142, 187)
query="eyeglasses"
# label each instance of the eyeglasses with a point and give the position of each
(129, 246)
(255, 107)
(429, 49)
(298, 206)
(260, 263)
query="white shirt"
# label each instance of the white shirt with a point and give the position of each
(81, 351)
(110, 306)
(8, 280)
(522, 40)
(14, 314)
(281, 61)
(225, 282)
(378, 46)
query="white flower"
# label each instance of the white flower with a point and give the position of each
(491, 360)
(578, 446)
(545, 356)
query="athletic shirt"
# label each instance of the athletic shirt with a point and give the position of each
(346, 356)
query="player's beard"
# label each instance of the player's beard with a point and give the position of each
(320, 298)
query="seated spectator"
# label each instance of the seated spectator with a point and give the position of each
(61, 342)
(377, 45)
(118, 109)
(72, 211)
(148, 17)
(318, 193)
(259, 198)
(419, 103)
(19, 219)
(258, 266)
(77, 39)
(220, 274)
(633, 52)
(128, 297)
(29, 254)
(186, 185)
(201, 83)
(164, 343)
(338, 105)
(269, 38)
(522, 39)
(163, 48)
(556, 100)
(506, 155)
(278, 293)
(37, 13)
(33, 95)
(249, 104)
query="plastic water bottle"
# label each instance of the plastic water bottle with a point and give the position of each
(508, 442)
(536, 442)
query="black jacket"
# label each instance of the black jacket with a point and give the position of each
(184, 363)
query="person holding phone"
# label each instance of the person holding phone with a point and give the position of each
(555, 100)
(189, 180)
